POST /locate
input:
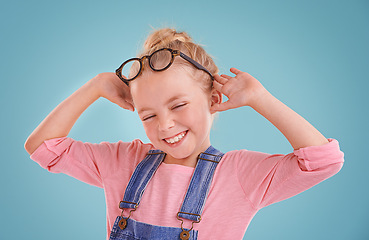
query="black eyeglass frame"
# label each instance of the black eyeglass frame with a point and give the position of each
(174, 53)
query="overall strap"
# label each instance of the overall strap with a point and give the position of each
(197, 192)
(140, 178)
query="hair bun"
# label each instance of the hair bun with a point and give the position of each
(163, 37)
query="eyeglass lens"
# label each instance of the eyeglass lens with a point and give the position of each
(131, 69)
(158, 61)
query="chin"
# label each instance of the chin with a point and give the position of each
(178, 155)
(181, 152)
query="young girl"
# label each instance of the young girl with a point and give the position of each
(179, 186)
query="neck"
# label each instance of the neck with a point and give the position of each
(189, 161)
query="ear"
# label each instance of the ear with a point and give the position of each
(216, 97)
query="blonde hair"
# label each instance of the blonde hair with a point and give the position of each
(170, 38)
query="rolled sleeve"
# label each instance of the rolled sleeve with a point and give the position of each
(47, 154)
(88, 162)
(315, 157)
(269, 178)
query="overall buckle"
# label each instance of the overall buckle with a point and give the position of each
(123, 221)
(185, 235)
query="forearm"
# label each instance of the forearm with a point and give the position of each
(299, 132)
(61, 120)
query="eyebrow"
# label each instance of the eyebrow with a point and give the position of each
(167, 102)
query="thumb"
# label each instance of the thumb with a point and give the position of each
(219, 107)
(124, 104)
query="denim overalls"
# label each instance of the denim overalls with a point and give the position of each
(192, 206)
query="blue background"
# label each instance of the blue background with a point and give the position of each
(312, 55)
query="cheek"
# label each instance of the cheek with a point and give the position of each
(149, 129)
(198, 117)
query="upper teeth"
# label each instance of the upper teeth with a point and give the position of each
(176, 138)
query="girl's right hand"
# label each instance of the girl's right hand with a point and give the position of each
(112, 88)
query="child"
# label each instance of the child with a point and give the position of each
(181, 186)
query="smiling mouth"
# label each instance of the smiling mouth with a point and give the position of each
(176, 138)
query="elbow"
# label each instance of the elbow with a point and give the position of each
(30, 146)
(337, 167)
(27, 147)
(333, 169)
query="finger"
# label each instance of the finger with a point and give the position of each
(124, 104)
(219, 107)
(217, 86)
(235, 71)
(129, 99)
(125, 93)
(224, 89)
(220, 79)
(129, 107)
(226, 76)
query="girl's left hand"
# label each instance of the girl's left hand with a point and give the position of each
(241, 90)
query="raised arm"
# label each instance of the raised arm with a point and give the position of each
(245, 90)
(61, 120)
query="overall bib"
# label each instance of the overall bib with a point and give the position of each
(125, 228)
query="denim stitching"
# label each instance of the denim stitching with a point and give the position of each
(148, 178)
(205, 168)
(134, 195)
(204, 172)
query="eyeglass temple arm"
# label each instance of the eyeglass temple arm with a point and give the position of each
(195, 63)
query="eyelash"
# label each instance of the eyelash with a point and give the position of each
(147, 118)
(175, 107)
(179, 105)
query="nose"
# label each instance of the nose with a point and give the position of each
(166, 122)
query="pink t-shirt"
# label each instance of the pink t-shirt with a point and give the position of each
(244, 181)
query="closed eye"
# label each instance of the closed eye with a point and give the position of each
(179, 105)
(173, 108)
(148, 117)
